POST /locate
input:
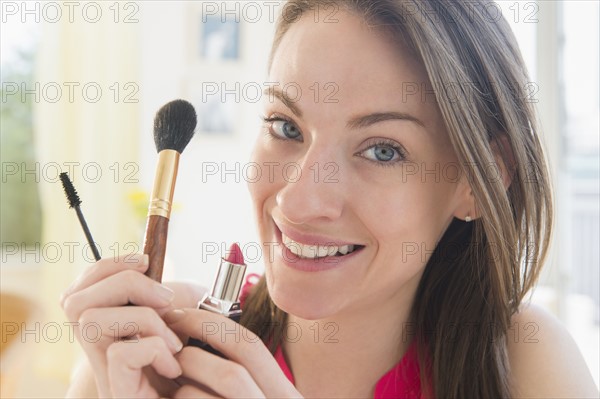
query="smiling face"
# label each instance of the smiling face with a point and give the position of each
(372, 163)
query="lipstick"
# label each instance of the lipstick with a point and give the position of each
(224, 298)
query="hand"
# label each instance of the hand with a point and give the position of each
(113, 335)
(249, 370)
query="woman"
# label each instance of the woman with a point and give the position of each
(422, 153)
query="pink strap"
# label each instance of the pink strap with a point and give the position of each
(402, 381)
(251, 281)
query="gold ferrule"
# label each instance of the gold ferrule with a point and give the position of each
(164, 184)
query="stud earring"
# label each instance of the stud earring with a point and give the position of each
(468, 218)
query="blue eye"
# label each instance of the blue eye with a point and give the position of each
(384, 153)
(282, 129)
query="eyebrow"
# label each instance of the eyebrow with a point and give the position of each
(359, 122)
(273, 91)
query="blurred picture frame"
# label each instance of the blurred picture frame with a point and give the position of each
(214, 55)
(216, 117)
(219, 38)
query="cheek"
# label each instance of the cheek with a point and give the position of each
(408, 228)
(263, 183)
(258, 188)
(272, 168)
(258, 179)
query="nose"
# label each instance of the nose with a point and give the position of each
(313, 190)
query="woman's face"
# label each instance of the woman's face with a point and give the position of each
(354, 152)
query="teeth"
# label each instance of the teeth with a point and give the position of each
(314, 251)
(344, 249)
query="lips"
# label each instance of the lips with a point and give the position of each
(294, 256)
(317, 251)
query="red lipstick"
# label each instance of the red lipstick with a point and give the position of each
(235, 254)
(224, 298)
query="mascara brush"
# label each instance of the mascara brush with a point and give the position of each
(75, 202)
(174, 126)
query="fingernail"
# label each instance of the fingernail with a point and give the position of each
(142, 259)
(137, 260)
(164, 292)
(173, 316)
(175, 341)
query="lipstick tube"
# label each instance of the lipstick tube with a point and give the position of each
(224, 298)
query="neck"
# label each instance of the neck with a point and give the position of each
(347, 353)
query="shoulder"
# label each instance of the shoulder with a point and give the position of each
(544, 359)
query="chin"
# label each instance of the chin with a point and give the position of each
(307, 310)
(308, 303)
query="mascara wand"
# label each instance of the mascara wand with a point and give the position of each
(74, 202)
(174, 126)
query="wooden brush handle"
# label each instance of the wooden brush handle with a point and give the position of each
(155, 245)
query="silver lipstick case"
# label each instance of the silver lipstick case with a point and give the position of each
(226, 290)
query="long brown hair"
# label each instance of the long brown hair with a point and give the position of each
(480, 271)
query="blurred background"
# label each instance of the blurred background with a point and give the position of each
(81, 82)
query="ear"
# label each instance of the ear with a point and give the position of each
(505, 159)
(466, 210)
(503, 168)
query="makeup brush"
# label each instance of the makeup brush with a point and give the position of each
(174, 126)
(75, 202)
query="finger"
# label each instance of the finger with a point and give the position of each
(187, 295)
(126, 361)
(125, 287)
(127, 322)
(226, 378)
(104, 268)
(237, 343)
(189, 392)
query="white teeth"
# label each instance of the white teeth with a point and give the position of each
(331, 250)
(314, 251)
(322, 251)
(344, 249)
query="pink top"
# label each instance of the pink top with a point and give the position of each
(402, 381)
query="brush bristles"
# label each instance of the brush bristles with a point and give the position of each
(70, 192)
(174, 126)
